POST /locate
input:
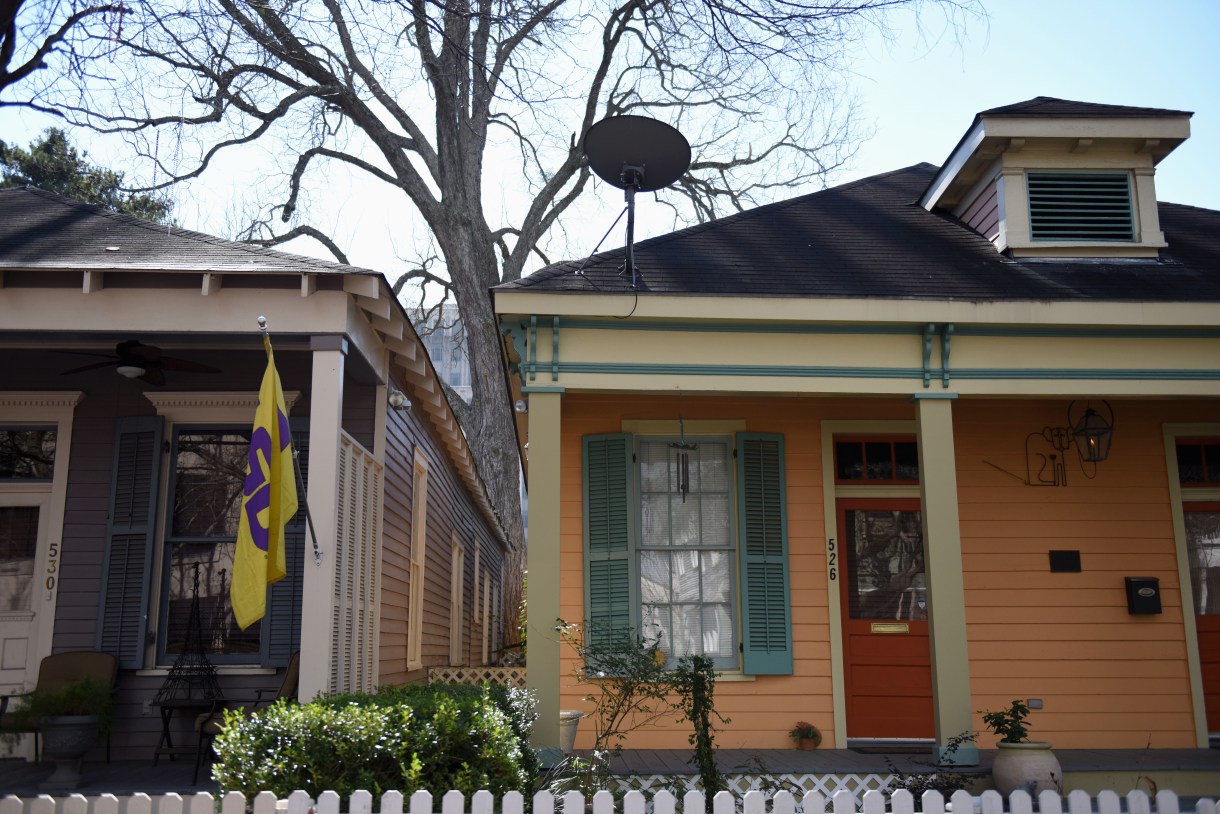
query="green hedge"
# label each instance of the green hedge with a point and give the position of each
(434, 737)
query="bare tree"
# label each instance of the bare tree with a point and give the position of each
(34, 34)
(438, 98)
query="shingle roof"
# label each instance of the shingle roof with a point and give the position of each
(870, 239)
(42, 230)
(1050, 106)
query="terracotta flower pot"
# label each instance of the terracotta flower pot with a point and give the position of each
(808, 743)
(1031, 766)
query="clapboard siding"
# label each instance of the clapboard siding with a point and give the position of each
(450, 509)
(1107, 678)
(983, 213)
(761, 710)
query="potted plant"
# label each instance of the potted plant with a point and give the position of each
(1021, 763)
(69, 719)
(806, 735)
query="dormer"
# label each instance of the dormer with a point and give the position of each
(1055, 178)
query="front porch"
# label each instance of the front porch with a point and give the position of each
(1188, 772)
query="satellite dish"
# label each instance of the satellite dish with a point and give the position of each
(635, 153)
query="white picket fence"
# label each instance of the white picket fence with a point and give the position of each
(634, 802)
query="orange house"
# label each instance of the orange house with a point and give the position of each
(897, 451)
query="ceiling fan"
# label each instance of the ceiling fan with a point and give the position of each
(135, 360)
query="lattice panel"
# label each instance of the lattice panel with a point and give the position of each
(797, 784)
(511, 676)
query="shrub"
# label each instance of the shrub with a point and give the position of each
(418, 737)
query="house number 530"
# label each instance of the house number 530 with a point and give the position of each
(832, 558)
(52, 568)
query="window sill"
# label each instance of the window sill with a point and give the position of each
(733, 677)
(221, 669)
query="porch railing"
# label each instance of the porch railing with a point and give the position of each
(634, 802)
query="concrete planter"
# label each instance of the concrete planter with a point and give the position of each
(569, 719)
(1031, 766)
(65, 740)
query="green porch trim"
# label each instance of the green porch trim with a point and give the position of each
(663, 369)
(525, 341)
(1087, 373)
(543, 389)
(946, 335)
(923, 396)
(928, 331)
(532, 366)
(1088, 333)
(744, 327)
(891, 329)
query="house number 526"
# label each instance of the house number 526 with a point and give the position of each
(832, 558)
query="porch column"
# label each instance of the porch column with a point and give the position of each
(943, 572)
(542, 599)
(325, 422)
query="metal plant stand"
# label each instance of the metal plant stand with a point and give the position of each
(191, 686)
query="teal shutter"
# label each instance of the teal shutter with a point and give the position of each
(123, 609)
(284, 601)
(608, 472)
(763, 521)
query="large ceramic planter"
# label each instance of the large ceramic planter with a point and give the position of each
(1031, 766)
(569, 719)
(65, 740)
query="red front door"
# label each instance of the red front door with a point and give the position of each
(887, 660)
(1203, 547)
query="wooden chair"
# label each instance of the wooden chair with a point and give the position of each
(209, 724)
(61, 669)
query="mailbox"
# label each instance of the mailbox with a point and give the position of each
(1143, 595)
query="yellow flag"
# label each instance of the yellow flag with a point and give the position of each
(269, 500)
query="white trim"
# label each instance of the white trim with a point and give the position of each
(457, 599)
(44, 408)
(30, 398)
(830, 494)
(418, 561)
(1189, 630)
(222, 407)
(952, 167)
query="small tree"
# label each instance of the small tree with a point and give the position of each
(53, 164)
(631, 688)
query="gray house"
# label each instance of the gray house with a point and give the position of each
(132, 360)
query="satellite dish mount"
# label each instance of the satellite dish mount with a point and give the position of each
(635, 154)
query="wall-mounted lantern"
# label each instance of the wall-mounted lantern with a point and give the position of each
(1090, 431)
(1093, 433)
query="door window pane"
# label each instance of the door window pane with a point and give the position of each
(885, 565)
(1203, 546)
(18, 543)
(876, 460)
(1199, 462)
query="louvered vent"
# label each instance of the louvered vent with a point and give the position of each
(1080, 206)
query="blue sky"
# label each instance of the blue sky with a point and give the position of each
(921, 97)
(919, 94)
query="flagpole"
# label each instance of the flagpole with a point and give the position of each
(296, 468)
